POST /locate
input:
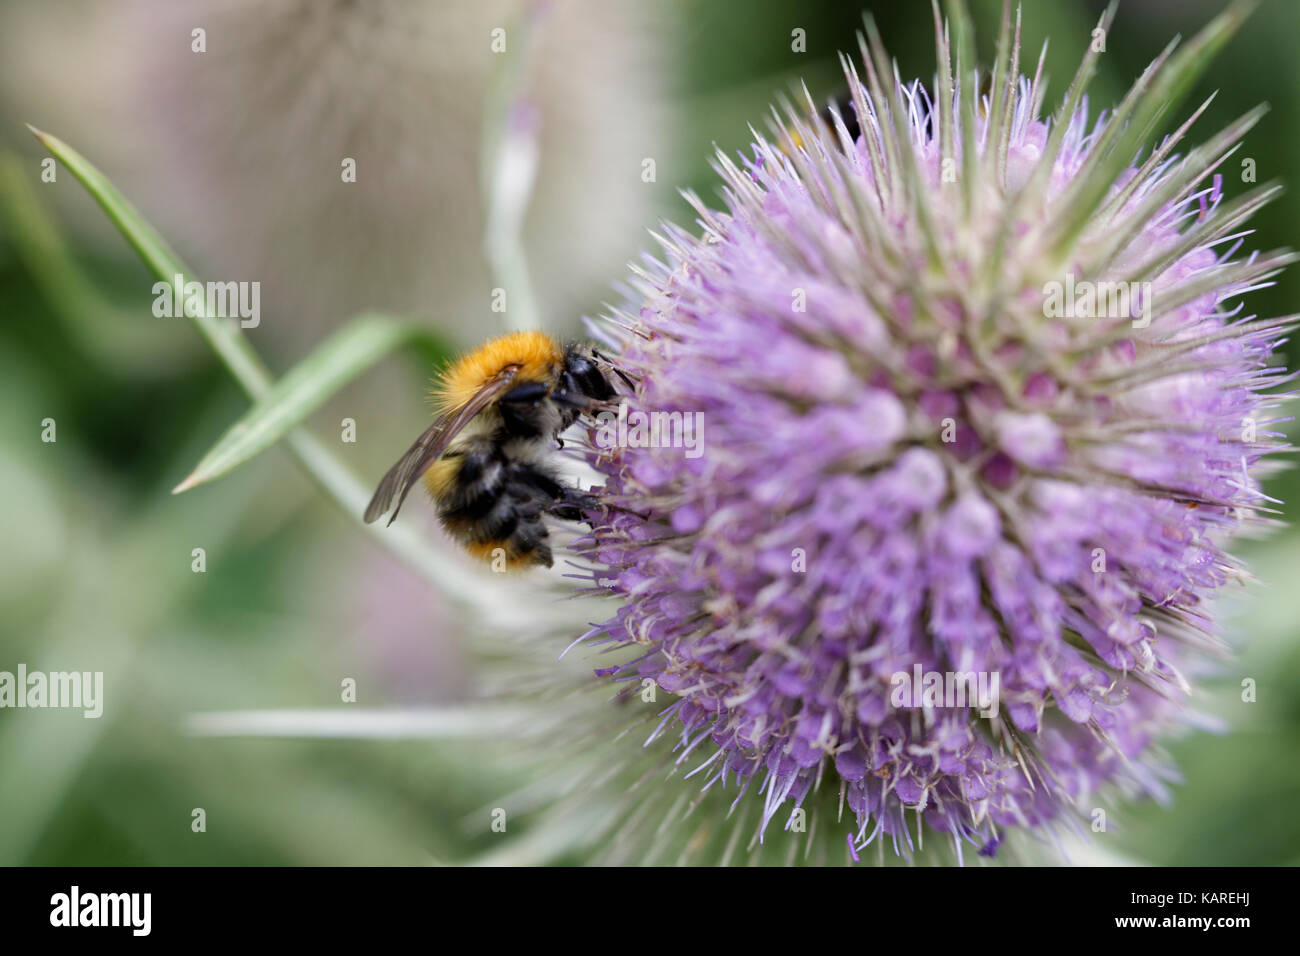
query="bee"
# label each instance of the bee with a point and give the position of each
(501, 409)
(842, 106)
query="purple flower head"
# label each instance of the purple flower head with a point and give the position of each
(976, 412)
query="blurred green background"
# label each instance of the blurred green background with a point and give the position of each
(234, 154)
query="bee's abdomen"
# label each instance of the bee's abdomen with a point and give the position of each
(489, 501)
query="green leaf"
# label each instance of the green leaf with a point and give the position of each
(334, 363)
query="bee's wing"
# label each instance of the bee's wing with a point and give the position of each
(429, 447)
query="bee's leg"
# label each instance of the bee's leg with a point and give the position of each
(569, 504)
(578, 402)
(560, 501)
(530, 542)
(573, 505)
(616, 370)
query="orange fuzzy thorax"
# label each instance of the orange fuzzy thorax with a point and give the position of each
(536, 353)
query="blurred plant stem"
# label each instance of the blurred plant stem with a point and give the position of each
(510, 157)
(369, 724)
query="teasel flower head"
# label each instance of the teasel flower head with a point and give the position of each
(925, 449)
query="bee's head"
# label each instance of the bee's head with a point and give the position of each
(584, 374)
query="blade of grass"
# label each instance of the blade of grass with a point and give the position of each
(101, 324)
(303, 389)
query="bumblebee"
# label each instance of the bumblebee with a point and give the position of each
(500, 411)
(842, 106)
